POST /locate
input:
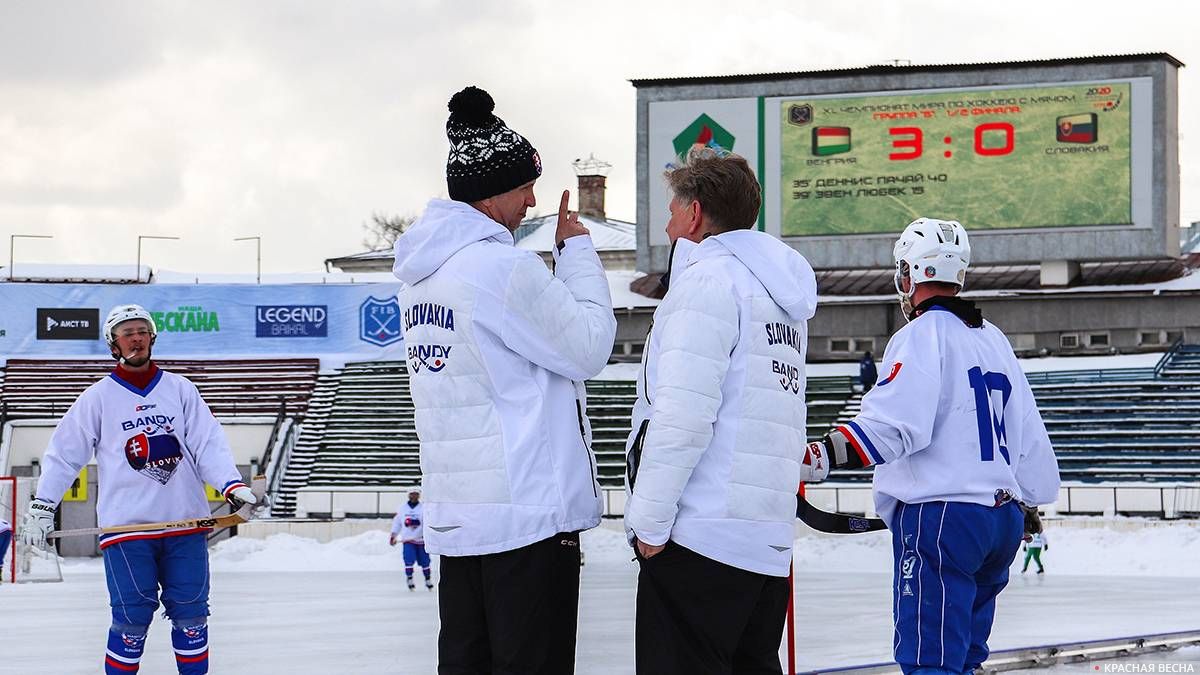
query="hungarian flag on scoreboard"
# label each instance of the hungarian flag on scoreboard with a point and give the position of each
(1079, 128)
(830, 140)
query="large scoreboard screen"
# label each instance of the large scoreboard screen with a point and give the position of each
(1012, 158)
(1067, 159)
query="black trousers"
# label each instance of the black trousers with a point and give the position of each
(510, 613)
(698, 616)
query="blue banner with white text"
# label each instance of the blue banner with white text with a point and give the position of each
(338, 322)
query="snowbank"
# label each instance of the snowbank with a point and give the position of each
(1078, 547)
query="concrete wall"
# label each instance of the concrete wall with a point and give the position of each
(1032, 322)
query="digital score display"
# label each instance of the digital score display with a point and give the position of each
(1012, 158)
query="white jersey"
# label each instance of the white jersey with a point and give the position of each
(154, 449)
(408, 524)
(1038, 541)
(953, 419)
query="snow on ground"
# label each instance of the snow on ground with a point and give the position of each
(287, 604)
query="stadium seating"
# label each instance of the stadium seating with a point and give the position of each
(46, 388)
(359, 430)
(1116, 424)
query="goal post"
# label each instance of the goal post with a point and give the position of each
(22, 563)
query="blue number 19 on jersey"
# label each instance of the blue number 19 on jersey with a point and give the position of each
(991, 422)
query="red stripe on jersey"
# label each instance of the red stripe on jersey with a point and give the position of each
(232, 487)
(128, 667)
(854, 444)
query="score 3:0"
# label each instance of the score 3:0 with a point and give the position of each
(910, 141)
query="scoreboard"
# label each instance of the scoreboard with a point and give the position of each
(1027, 157)
(1070, 159)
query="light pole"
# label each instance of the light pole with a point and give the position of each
(257, 256)
(137, 277)
(12, 242)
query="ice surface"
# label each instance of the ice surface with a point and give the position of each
(291, 605)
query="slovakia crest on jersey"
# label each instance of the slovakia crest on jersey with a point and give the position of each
(155, 455)
(379, 321)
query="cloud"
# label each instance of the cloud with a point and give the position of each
(298, 120)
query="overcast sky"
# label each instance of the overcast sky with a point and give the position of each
(298, 120)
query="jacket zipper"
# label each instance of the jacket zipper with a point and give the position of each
(634, 460)
(586, 448)
(646, 364)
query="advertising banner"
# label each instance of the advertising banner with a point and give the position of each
(339, 321)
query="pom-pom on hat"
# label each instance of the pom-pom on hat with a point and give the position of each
(486, 157)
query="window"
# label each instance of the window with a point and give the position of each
(864, 345)
(1068, 341)
(839, 345)
(1173, 336)
(1023, 341)
(1150, 337)
(1097, 339)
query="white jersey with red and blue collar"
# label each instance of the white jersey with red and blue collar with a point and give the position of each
(155, 448)
(408, 523)
(953, 419)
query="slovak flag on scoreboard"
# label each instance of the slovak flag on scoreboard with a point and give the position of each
(1079, 128)
(830, 140)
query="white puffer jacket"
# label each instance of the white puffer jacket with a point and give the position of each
(719, 424)
(497, 347)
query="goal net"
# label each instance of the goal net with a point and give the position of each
(20, 563)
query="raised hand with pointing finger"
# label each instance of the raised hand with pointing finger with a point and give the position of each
(568, 222)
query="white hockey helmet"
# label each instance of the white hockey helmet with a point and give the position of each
(932, 250)
(122, 313)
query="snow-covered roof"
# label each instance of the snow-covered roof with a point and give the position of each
(378, 254)
(622, 297)
(118, 274)
(97, 274)
(607, 235)
(162, 276)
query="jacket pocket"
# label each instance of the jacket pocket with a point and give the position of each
(587, 447)
(634, 458)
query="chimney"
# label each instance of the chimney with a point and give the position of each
(592, 174)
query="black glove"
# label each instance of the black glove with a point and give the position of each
(841, 453)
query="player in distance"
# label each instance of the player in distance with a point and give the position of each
(156, 444)
(6, 535)
(409, 527)
(958, 447)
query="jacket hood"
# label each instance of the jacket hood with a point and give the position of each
(445, 228)
(786, 275)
